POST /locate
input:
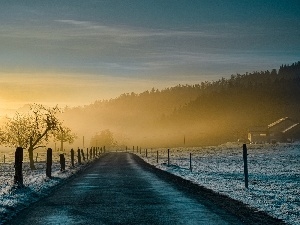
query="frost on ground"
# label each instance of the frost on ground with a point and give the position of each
(36, 185)
(274, 174)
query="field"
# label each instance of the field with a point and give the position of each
(274, 177)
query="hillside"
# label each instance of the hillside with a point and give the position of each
(232, 106)
(206, 113)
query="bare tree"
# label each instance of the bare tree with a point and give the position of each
(64, 134)
(33, 130)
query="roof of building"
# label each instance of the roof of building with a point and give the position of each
(291, 127)
(277, 122)
(283, 125)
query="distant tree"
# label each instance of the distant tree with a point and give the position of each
(33, 130)
(2, 137)
(274, 72)
(104, 138)
(64, 134)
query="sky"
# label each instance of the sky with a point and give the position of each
(73, 52)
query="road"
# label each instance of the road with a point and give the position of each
(118, 190)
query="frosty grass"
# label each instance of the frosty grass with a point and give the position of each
(274, 174)
(36, 184)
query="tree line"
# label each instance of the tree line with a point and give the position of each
(205, 113)
(208, 113)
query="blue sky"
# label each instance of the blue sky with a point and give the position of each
(116, 46)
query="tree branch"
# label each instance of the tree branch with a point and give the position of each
(40, 137)
(40, 146)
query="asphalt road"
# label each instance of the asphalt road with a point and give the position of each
(118, 190)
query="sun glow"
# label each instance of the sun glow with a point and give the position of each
(18, 89)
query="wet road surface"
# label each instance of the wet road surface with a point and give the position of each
(117, 190)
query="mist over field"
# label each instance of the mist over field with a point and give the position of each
(208, 113)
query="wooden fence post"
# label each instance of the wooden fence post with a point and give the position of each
(4, 159)
(146, 153)
(82, 153)
(72, 157)
(157, 156)
(91, 153)
(62, 161)
(191, 162)
(87, 154)
(79, 156)
(104, 149)
(245, 165)
(49, 162)
(168, 157)
(18, 178)
(36, 158)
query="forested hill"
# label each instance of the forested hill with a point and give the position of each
(206, 113)
(230, 107)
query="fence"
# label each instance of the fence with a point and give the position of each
(228, 163)
(15, 163)
(273, 184)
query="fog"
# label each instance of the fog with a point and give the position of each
(208, 113)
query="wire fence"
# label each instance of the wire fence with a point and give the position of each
(7, 165)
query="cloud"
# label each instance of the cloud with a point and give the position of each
(132, 32)
(83, 46)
